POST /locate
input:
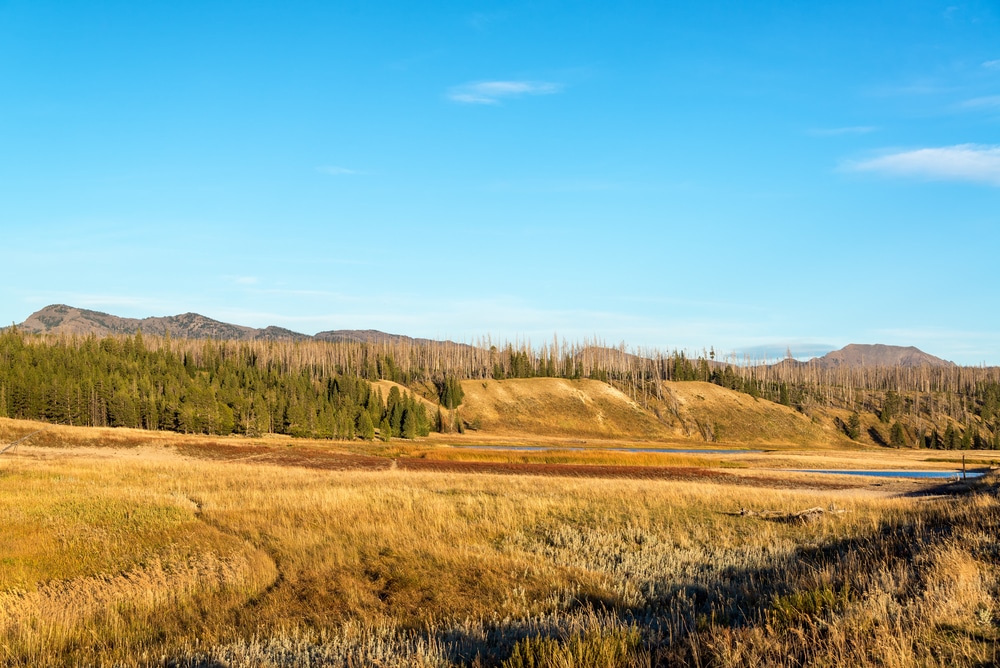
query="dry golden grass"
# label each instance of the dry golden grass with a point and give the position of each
(137, 555)
(387, 385)
(556, 407)
(687, 412)
(707, 411)
(593, 455)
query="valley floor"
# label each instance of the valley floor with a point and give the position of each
(136, 548)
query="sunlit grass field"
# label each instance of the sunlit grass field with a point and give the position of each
(143, 555)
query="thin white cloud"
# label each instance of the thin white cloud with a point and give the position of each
(988, 102)
(776, 350)
(965, 162)
(481, 20)
(916, 88)
(852, 130)
(334, 170)
(992, 64)
(494, 92)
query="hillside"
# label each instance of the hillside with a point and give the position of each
(626, 396)
(385, 386)
(708, 412)
(692, 411)
(695, 411)
(556, 407)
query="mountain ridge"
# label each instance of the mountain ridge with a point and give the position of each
(872, 355)
(64, 319)
(877, 354)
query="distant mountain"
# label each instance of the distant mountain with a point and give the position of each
(63, 319)
(857, 354)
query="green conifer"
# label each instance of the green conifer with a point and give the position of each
(366, 429)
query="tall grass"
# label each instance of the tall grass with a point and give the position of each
(157, 560)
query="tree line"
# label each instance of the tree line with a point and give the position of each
(201, 387)
(322, 388)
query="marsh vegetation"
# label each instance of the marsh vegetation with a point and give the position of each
(142, 555)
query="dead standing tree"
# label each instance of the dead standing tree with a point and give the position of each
(12, 446)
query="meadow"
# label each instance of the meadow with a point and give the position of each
(140, 549)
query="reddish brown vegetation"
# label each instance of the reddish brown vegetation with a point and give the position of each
(316, 458)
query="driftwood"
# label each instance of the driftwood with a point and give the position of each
(802, 516)
(10, 446)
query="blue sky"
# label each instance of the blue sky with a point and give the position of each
(747, 176)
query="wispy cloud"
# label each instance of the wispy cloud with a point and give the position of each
(494, 92)
(992, 64)
(334, 170)
(988, 102)
(776, 351)
(965, 162)
(481, 20)
(834, 132)
(915, 88)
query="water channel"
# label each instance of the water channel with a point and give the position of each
(898, 473)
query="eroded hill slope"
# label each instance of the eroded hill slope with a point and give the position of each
(556, 407)
(695, 411)
(712, 413)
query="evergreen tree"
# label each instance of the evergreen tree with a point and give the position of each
(966, 443)
(450, 392)
(891, 406)
(409, 424)
(950, 438)
(365, 427)
(897, 436)
(854, 426)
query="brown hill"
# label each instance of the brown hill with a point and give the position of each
(556, 407)
(692, 411)
(857, 354)
(712, 413)
(386, 386)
